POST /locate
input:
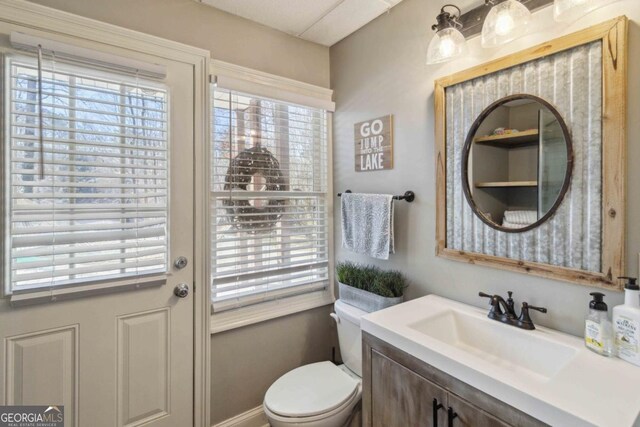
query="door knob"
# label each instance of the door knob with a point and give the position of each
(181, 291)
(180, 262)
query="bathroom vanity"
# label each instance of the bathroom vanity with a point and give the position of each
(437, 362)
(402, 390)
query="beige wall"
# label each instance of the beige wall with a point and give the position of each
(248, 360)
(228, 37)
(245, 361)
(381, 69)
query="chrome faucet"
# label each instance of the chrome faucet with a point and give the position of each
(504, 311)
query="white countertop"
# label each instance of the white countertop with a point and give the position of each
(589, 390)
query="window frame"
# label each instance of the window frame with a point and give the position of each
(236, 78)
(35, 294)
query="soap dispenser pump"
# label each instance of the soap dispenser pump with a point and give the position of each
(598, 336)
(626, 323)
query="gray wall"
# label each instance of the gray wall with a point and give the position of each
(248, 360)
(381, 69)
(245, 361)
(228, 37)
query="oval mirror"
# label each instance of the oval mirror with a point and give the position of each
(517, 163)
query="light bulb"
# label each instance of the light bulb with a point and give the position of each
(448, 42)
(447, 46)
(504, 23)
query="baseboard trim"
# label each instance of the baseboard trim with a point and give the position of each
(252, 418)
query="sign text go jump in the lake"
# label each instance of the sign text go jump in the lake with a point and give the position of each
(374, 144)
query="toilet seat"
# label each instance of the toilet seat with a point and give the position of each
(340, 413)
(312, 392)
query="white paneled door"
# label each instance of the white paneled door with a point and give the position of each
(112, 357)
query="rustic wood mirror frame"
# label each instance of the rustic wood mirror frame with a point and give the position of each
(613, 35)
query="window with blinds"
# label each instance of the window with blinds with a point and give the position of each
(269, 230)
(86, 200)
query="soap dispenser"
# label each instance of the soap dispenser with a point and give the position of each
(598, 335)
(626, 323)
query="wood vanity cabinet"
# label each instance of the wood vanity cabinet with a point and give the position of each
(402, 391)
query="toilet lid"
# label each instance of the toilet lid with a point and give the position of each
(310, 390)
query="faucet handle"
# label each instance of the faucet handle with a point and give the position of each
(525, 320)
(495, 311)
(540, 309)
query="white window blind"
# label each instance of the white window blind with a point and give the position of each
(269, 231)
(98, 210)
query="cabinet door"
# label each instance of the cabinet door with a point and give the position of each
(402, 398)
(471, 416)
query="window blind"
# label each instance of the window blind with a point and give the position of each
(269, 230)
(98, 210)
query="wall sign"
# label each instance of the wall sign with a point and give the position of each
(374, 144)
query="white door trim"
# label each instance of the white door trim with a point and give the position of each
(44, 21)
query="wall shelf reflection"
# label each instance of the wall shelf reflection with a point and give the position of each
(506, 184)
(517, 139)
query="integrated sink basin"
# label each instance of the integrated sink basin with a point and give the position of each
(493, 342)
(545, 373)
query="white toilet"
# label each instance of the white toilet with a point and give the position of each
(321, 394)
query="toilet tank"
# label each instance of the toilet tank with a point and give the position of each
(350, 335)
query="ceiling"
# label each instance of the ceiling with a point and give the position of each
(321, 21)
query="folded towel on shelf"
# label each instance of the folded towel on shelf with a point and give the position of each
(507, 224)
(521, 217)
(367, 224)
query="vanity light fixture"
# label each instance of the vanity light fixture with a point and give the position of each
(448, 42)
(505, 22)
(570, 10)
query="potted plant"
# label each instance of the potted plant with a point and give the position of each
(369, 288)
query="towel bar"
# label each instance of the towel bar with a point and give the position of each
(409, 196)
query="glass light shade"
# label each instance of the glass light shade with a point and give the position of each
(446, 45)
(570, 10)
(505, 22)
